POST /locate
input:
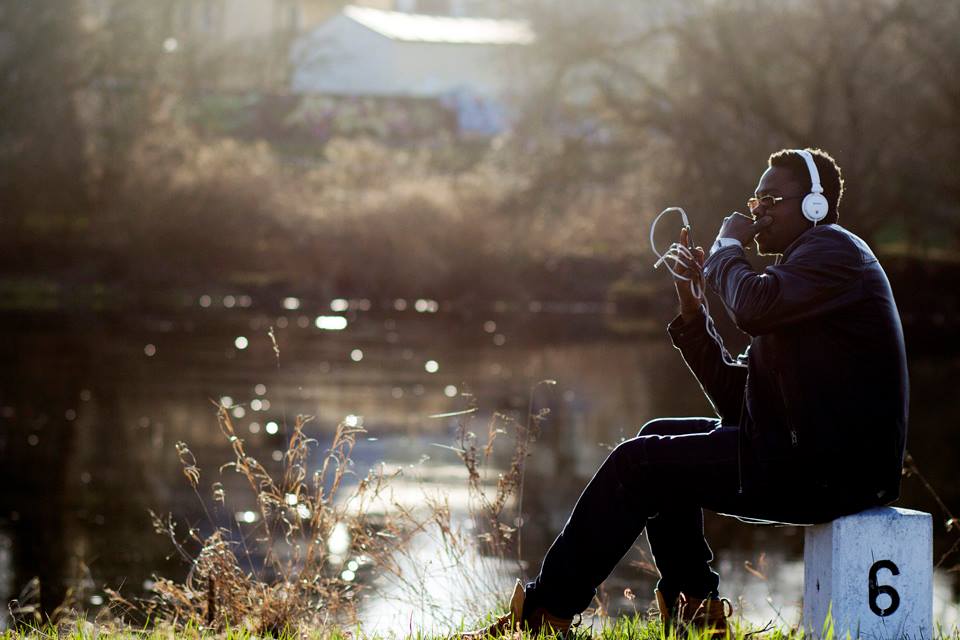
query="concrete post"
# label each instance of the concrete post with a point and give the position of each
(873, 572)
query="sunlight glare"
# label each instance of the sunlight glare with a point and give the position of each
(339, 540)
(331, 323)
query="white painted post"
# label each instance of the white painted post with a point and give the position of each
(873, 572)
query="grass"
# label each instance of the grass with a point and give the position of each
(638, 627)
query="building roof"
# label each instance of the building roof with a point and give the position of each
(412, 27)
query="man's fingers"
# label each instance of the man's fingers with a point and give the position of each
(687, 265)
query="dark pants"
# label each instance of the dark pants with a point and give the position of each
(662, 480)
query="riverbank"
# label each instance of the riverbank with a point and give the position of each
(626, 291)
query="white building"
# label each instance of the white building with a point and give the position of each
(364, 51)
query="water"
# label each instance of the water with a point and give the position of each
(92, 404)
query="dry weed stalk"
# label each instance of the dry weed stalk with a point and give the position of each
(468, 566)
(292, 573)
(499, 534)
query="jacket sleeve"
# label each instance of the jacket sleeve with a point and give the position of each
(823, 273)
(723, 384)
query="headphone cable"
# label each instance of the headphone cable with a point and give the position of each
(681, 255)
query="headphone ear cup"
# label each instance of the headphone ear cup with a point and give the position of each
(815, 207)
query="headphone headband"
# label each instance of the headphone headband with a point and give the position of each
(815, 186)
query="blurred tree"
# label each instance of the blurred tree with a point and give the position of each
(42, 144)
(80, 86)
(706, 91)
(129, 80)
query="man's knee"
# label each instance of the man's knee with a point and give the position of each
(628, 459)
(678, 426)
(655, 427)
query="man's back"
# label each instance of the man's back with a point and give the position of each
(827, 381)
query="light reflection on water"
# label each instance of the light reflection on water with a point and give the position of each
(440, 589)
(89, 423)
(330, 323)
(442, 580)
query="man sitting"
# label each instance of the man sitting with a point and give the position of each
(813, 427)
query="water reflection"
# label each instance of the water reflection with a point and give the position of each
(331, 323)
(89, 424)
(441, 588)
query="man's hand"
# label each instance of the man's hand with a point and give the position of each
(689, 303)
(742, 228)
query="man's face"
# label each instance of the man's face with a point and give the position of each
(788, 221)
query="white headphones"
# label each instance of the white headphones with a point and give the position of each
(814, 205)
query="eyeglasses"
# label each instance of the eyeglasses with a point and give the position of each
(767, 202)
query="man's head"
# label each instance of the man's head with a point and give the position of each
(787, 177)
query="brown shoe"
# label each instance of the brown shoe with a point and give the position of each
(538, 620)
(667, 611)
(708, 615)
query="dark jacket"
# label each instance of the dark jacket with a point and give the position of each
(825, 390)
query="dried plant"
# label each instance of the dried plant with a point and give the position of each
(509, 485)
(290, 573)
